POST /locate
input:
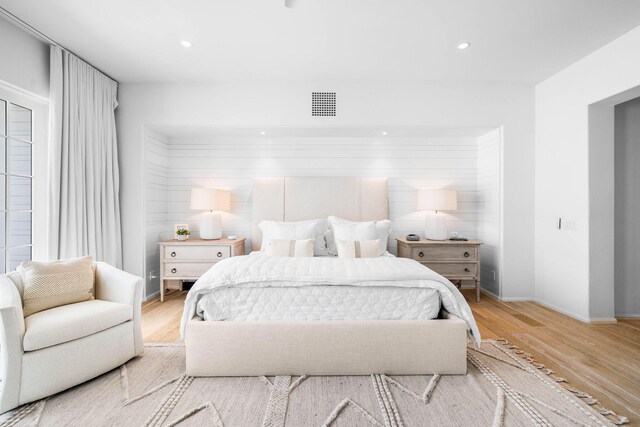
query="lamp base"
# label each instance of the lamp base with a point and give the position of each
(435, 227)
(210, 226)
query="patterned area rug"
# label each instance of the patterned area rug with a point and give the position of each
(504, 387)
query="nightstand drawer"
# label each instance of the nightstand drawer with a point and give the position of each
(454, 269)
(197, 252)
(186, 269)
(188, 260)
(444, 253)
(458, 261)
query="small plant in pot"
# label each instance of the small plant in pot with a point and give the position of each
(183, 234)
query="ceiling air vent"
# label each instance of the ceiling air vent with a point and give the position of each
(323, 103)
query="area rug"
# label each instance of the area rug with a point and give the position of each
(504, 387)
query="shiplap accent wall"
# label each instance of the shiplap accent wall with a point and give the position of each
(156, 208)
(410, 163)
(488, 220)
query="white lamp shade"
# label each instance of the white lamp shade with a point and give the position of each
(210, 199)
(443, 199)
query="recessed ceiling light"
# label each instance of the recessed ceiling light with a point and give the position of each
(384, 133)
(263, 133)
(464, 45)
(186, 43)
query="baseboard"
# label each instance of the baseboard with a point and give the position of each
(489, 294)
(628, 316)
(562, 311)
(604, 321)
(516, 299)
(152, 296)
(504, 299)
(594, 321)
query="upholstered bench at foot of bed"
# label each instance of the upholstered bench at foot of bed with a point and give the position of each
(360, 347)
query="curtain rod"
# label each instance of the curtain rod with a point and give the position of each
(43, 37)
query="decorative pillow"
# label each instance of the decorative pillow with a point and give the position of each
(313, 229)
(52, 284)
(358, 248)
(358, 231)
(291, 248)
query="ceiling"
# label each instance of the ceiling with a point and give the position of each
(238, 40)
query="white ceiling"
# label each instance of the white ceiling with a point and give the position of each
(512, 40)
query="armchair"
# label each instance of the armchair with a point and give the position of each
(53, 350)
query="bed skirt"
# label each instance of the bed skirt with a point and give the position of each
(356, 347)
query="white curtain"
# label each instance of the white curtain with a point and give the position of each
(84, 207)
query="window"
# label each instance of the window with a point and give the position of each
(16, 175)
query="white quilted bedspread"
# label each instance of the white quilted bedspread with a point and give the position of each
(320, 303)
(259, 270)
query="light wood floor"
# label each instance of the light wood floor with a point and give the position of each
(602, 360)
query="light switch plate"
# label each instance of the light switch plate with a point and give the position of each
(566, 224)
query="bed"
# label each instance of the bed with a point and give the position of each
(262, 315)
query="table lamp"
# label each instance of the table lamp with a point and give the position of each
(210, 199)
(436, 200)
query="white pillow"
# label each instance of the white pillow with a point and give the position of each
(382, 231)
(358, 248)
(313, 229)
(290, 248)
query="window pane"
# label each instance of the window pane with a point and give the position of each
(19, 157)
(19, 122)
(19, 193)
(3, 192)
(3, 151)
(17, 256)
(3, 117)
(19, 228)
(3, 255)
(3, 237)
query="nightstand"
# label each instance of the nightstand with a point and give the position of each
(190, 259)
(454, 260)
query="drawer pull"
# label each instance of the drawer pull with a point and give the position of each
(421, 254)
(219, 254)
(173, 270)
(467, 270)
(466, 254)
(173, 254)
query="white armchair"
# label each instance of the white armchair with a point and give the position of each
(59, 348)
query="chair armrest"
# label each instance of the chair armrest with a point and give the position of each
(116, 285)
(119, 286)
(11, 335)
(11, 305)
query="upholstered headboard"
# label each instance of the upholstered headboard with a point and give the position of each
(302, 198)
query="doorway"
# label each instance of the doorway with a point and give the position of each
(627, 208)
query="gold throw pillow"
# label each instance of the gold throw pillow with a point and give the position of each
(52, 284)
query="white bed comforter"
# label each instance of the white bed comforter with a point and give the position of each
(260, 270)
(320, 303)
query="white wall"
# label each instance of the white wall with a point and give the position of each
(570, 162)
(231, 162)
(24, 60)
(409, 163)
(627, 208)
(156, 170)
(488, 209)
(359, 104)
